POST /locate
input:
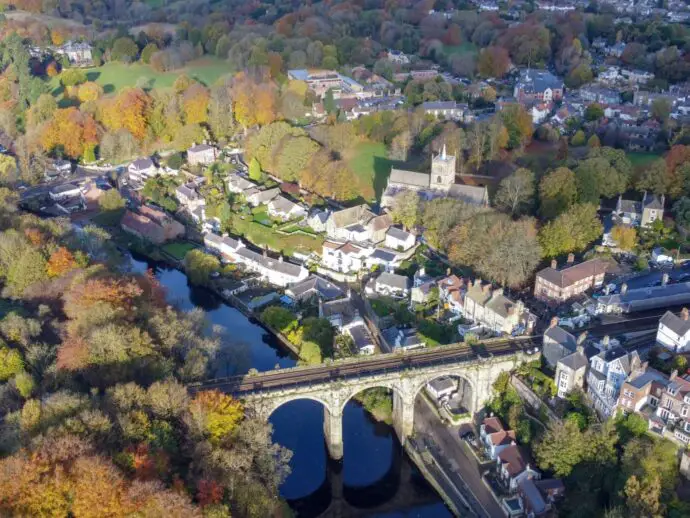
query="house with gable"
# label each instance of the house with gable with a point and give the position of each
(674, 408)
(558, 285)
(571, 371)
(358, 224)
(557, 343)
(674, 331)
(493, 310)
(641, 393)
(202, 154)
(607, 372)
(451, 293)
(640, 213)
(283, 209)
(538, 85)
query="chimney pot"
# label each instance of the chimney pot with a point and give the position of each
(486, 287)
(571, 258)
(582, 337)
(606, 341)
(579, 348)
(684, 313)
(554, 264)
(624, 288)
(664, 279)
(447, 272)
(674, 374)
(554, 322)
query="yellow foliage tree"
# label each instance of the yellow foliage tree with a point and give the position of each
(624, 236)
(61, 261)
(219, 413)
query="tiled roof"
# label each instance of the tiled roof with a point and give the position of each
(360, 214)
(403, 177)
(492, 425)
(393, 280)
(572, 274)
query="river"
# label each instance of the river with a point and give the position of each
(375, 477)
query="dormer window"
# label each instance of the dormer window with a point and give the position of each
(687, 398)
(673, 390)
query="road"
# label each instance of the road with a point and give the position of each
(464, 468)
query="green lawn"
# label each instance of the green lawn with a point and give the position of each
(261, 235)
(178, 249)
(261, 216)
(468, 46)
(641, 159)
(114, 76)
(369, 161)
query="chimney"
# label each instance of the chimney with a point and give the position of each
(497, 292)
(684, 313)
(469, 284)
(624, 288)
(320, 307)
(554, 322)
(664, 279)
(605, 342)
(265, 253)
(447, 272)
(644, 366)
(280, 258)
(674, 375)
(571, 258)
(486, 288)
(422, 272)
(663, 201)
(582, 337)
(554, 264)
(579, 349)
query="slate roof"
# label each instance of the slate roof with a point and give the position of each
(66, 187)
(393, 280)
(267, 195)
(539, 80)
(652, 201)
(282, 205)
(382, 255)
(501, 305)
(199, 148)
(648, 298)
(269, 263)
(240, 182)
(360, 336)
(403, 177)
(469, 193)
(532, 494)
(397, 233)
(631, 207)
(561, 336)
(359, 214)
(575, 361)
(315, 285)
(572, 274)
(187, 192)
(648, 376)
(675, 323)
(140, 164)
(440, 105)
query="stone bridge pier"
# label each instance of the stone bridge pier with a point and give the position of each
(478, 379)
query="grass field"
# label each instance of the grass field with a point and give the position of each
(468, 46)
(261, 236)
(178, 249)
(113, 76)
(641, 159)
(369, 161)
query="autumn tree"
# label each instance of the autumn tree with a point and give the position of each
(624, 236)
(129, 111)
(111, 200)
(195, 102)
(518, 122)
(199, 266)
(60, 262)
(493, 62)
(653, 177)
(70, 131)
(515, 193)
(89, 91)
(217, 414)
(557, 192)
(8, 169)
(572, 231)
(406, 209)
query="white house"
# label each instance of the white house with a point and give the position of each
(142, 169)
(255, 197)
(493, 310)
(78, 53)
(450, 292)
(442, 387)
(238, 184)
(202, 154)
(282, 208)
(448, 110)
(274, 271)
(607, 372)
(398, 239)
(343, 257)
(188, 197)
(389, 284)
(317, 220)
(64, 191)
(674, 331)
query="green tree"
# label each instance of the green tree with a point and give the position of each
(578, 139)
(653, 177)
(149, 50)
(111, 200)
(594, 112)
(624, 236)
(606, 172)
(310, 353)
(24, 383)
(254, 170)
(661, 109)
(515, 193)
(643, 498)
(562, 448)
(11, 363)
(72, 77)
(557, 192)
(406, 209)
(125, 50)
(279, 318)
(8, 169)
(572, 231)
(593, 142)
(199, 266)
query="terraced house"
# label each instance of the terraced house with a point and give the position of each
(557, 285)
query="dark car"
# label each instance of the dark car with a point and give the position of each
(468, 436)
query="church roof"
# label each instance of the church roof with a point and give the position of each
(403, 177)
(469, 193)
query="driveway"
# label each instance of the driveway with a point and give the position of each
(456, 451)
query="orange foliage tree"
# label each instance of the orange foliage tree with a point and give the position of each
(129, 110)
(119, 294)
(209, 492)
(218, 413)
(60, 262)
(73, 131)
(195, 103)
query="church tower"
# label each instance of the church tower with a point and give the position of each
(442, 171)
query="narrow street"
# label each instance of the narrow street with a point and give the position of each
(464, 465)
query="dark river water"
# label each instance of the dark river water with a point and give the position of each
(375, 477)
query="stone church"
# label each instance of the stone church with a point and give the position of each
(439, 184)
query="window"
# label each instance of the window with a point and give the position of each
(438, 179)
(684, 411)
(628, 393)
(664, 413)
(668, 403)
(653, 401)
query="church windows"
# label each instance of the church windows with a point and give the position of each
(438, 179)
